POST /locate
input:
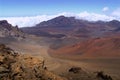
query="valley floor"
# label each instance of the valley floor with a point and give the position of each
(61, 66)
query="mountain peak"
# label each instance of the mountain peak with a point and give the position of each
(7, 30)
(64, 17)
(114, 23)
(4, 23)
(60, 21)
(61, 16)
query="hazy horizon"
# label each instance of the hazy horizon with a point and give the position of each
(34, 12)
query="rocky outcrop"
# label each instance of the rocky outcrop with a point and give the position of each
(15, 66)
(7, 30)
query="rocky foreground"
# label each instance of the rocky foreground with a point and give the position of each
(15, 66)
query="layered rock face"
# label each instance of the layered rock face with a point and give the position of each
(15, 66)
(7, 30)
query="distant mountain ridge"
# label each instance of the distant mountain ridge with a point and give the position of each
(81, 38)
(60, 21)
(70, 26)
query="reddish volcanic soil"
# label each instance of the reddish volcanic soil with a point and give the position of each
(98, 47)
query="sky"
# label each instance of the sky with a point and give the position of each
(35, 11)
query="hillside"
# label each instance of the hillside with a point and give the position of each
(7, 30)
(16, 66)
(92, 48)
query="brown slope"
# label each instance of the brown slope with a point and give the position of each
(15, 66)
(98, 47)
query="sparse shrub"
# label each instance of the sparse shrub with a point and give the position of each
(103, 76)
(75, 69)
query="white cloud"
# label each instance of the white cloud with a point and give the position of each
(27, 21)
(94, 16)
(105, 9)
(90, 16)
(31, 21)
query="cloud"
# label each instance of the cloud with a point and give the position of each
(116, 12)
(27, 21)
(31, 21)
(94, 17)
(89, 16)
(105, 9)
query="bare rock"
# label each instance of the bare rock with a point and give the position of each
(15, 66)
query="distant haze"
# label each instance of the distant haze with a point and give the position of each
(27, 13)
(29, 21)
